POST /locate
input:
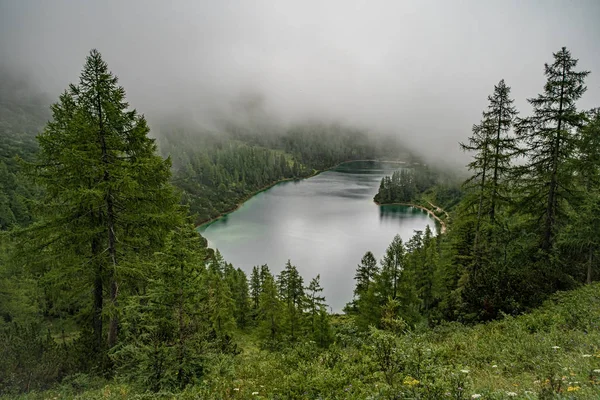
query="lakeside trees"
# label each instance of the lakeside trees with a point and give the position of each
(112, 268)
(533, 181)
(107, 198)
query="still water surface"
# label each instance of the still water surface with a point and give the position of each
(323, 224)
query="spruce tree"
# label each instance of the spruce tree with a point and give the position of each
(314, 302)
(291, 292)
(365, 272)
(392, 266)
(255, 286)
(270, 310)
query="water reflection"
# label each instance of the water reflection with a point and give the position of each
(323, 224)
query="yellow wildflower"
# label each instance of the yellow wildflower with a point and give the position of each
(410, 381)
(573, 388)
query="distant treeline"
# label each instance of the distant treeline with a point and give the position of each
(107, 287)
(216, 171)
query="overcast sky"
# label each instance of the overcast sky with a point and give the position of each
(421, 69)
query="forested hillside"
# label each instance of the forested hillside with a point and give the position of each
(23, 113)
(108, 291)
(218, 170)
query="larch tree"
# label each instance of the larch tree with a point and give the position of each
(548, 139)
(255, 285)
(291, 292)
(365, 273)
(493, 148)
(108, 200)
(270, 309)
(314, 301)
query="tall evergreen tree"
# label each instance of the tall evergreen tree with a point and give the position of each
(365, 273)
(392, 266)
(108, 200)
(270, 310)
(291, 292)
(255, 287)
(165, 327)
(548, 142)
(581, 236)
(493, 149)
(314, 302)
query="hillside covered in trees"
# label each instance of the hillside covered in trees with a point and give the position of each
(216, 171)
(108, 291)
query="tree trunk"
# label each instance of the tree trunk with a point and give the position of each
(98, 297)
(552, 203)
(110, 222)
(495, 177)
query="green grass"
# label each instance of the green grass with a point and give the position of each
(551, 353)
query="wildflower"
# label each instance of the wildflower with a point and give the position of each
(410, 381)
(475, 396)
(586, 355)
(511, 394)
(597, 371)
(555, 347)
(573, 388)
(236, 389)
(254, 393)
(494, 366)
(464, 371)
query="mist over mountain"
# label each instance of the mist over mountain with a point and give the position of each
(418, 70)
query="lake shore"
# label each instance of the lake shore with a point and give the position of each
(269, 186)
(428, 210)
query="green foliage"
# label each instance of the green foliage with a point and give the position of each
(552, 353)
(218, 170)
(23, 113)
(405, 185)
(166, 328)
(112, 282)
(549, 141)
(107, 199)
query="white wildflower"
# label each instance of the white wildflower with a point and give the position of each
(236, 389)
(464, 371)
(597, 371)
(475, 396)
(254, 393)
(556, 347)
(586, 355)
(511, 394)
(494, 366)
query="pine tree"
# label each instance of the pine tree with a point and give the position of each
(270, 310)
(255, 287)
(548, 142)
(392, 266)
(314, 302)
(494, 148)
(365, 273)
(220, 309)
(323, 334)
(165, 330)
(108, 200)
(291, 292)
(241, 299)
(581, 236)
